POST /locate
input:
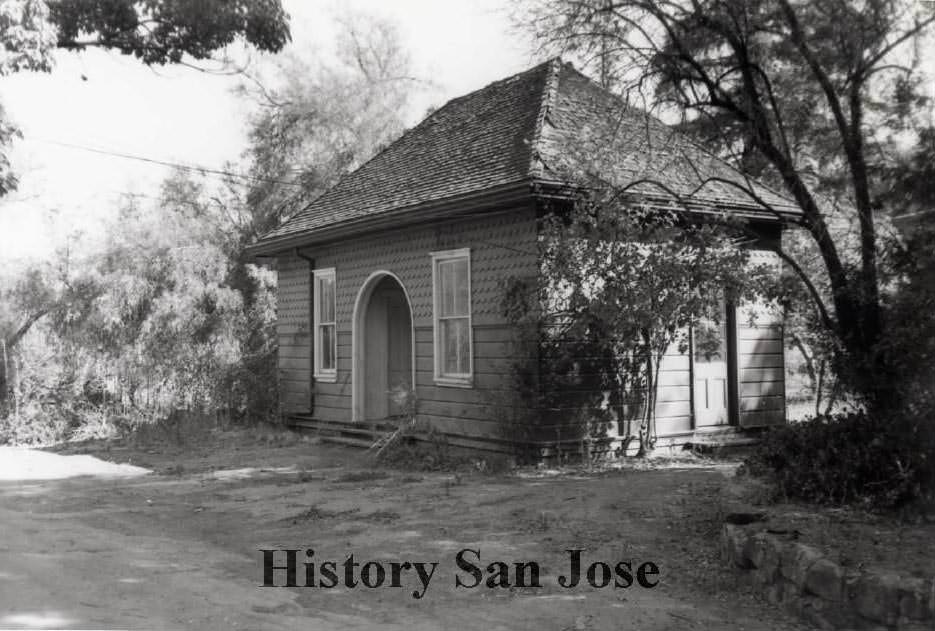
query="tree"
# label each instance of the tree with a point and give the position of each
(147, 324)
(808, 95)
(27, 35)
(156, 32)
(317, 121)
(620, 285)
(34, 293)
(313, 123)
(180, 315)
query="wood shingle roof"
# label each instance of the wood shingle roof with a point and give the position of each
(542, 126)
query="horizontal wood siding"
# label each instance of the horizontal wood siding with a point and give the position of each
(761, 371)
(673, 409)
(674, 395)
(501, 244)
(293, 330)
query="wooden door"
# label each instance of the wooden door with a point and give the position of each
(375, 352)
(709, 354)
(399, 352)
(388, 351)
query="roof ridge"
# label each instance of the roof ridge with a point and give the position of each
(546, 102)
(509, 79)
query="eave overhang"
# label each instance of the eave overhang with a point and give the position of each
(500, 198)
(486, 200)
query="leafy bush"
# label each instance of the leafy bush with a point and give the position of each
(849, 458)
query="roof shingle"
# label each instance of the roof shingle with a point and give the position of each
(539, 125)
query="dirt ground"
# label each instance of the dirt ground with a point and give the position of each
(180, 547)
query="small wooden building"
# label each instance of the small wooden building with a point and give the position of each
(390, 283)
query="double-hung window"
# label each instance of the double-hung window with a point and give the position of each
(325, 334)
(451, 280)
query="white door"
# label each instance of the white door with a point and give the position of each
(709, 354)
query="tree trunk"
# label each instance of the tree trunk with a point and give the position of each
(648, 402)
(819, 385)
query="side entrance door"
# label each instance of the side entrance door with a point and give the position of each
(710, 356)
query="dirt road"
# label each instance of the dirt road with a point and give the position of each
(180, 547)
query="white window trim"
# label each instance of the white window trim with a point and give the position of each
(465, 380)
(327, 375)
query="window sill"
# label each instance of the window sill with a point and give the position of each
(327, 377)
(455, 382)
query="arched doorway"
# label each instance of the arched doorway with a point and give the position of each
(383, 350)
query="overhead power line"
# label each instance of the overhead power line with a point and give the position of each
(177, 165)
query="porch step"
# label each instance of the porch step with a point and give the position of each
(326, 428)
(722, 437)
(345, 440)
(362, 434)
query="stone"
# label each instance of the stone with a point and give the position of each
(763, 551)
(788, 591)
(875, 597)
(800, 579)
(819, 613)
(915, 598)
(736, 544)
(774, 592)
(904, 624)
(795, 559)
(726, 539)
(825, 578)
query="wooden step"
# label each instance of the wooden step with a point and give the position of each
(714, 430)
(363, 434)
(729, 436)
(313, 423)
(344, 440)
(354, 431)
(735, 441)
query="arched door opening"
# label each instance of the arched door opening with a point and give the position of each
(383, 370)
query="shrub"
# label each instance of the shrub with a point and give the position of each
(883, 463)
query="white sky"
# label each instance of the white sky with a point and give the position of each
(177, 114)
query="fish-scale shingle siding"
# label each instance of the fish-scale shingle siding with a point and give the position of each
(293, 329)
(501, 244)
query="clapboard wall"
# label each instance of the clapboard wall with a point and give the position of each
(761, 358)
(674, 395)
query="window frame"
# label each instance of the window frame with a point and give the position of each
(324, 374)
(441, 378)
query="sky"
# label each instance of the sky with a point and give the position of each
(104, 101)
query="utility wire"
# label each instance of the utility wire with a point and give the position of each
(177, 165)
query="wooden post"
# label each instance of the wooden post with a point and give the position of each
(4, 373)
(16, 390)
